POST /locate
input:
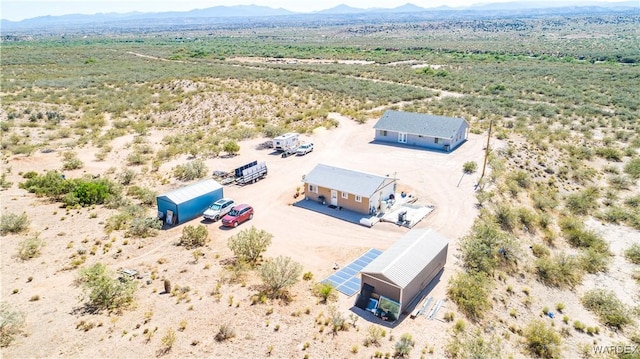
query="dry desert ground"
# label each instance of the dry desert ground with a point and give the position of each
(56, 325)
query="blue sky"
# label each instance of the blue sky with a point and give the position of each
(24, 9)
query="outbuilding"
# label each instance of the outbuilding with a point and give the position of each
(186, 203)
(398, 275)
(421, 130)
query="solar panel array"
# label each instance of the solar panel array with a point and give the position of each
(346, 280)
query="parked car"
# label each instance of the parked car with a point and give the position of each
(305, 148)
(237, 215)
(218, 209)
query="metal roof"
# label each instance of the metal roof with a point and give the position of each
(406, 258)
(420, 124)
(187, 193)
(344, 180)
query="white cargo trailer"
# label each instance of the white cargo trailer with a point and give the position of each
(286, 141)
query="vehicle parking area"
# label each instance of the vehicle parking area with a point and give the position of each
(319, 241)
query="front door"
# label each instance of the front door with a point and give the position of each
(334, 197)
(402, 137)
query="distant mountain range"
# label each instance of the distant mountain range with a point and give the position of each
(242, 13)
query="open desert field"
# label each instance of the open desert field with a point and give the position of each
(544, 250)
(312, 239)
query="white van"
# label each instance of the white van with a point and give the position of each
(286, 141)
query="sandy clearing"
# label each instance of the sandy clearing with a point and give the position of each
(314, 240)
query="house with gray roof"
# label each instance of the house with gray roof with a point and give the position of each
(356, 191)
(421, 130)
(406, 268)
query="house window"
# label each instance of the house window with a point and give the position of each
(345, 195)
(383, 132)
(436, 140)
(358, 198)
(313, 188)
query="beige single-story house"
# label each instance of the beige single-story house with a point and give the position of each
(356, 191)
(421, 130)
(406, 268)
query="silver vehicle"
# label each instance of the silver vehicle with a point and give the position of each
(304, 148)
(218, 209)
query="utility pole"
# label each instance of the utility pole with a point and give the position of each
(486, 153)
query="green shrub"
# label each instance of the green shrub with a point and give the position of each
(143, 227)
(11, 325)
(13, 223)
(146, 196)
(470, 291)
(594, 260)
(374, 333)
(225, 332)
(540, 250)
(487, 248)
(231, 147)
(583, 202)
(82, 191)
(633, 253)
(324, 291)
(469, 167)
(610, 153)
(506, 217)
(249, 244)
(575, 233)
(559, 271)
(279, 274)
(473, 345)
(542, 341)
(30, 248)
(191, 170)
(522, 178)
(609, 309)
(71, 161)
(403, 347)
(632, 168)
(194, 236)
(105, 291)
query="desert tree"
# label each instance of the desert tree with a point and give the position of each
(249, 244)
(104, 290)
(470, 291)
(231, 147)
(194, 236)
(542, 341)
(278, 274)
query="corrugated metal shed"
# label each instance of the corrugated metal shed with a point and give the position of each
(187, 193)
(354, 182)
(419, 124)
(406, 258)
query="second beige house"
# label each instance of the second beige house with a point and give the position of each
(356, 191)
